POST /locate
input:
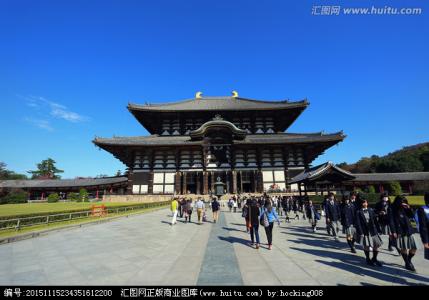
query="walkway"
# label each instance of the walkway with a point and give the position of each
(146, 250)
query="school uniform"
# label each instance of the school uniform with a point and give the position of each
(400, 224)
(253, 221)
(423, 218)
(312, 216)
(348, 216)
(333, 213)
(368, 229)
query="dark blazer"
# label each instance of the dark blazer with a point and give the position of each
(308, 210)
(380, 207)
(399, 221)
(332, 211)
(423, 225)
(363, 228)
(348, 215)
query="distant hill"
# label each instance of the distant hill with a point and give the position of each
(409, 159)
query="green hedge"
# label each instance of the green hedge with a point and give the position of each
(14, 197)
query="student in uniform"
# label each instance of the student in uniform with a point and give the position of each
(368, 229)
(348, 217)
(333, 215)
(402, 230)
(423, 225)
(383, 209)
(312, 215)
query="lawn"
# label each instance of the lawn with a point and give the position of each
(32, 208)
(37, 228)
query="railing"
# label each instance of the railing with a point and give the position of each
(18, 223)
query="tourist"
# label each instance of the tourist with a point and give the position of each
(402, 230)
(268, 216)
(285, 208)
(200, 209)
(253, 221)
(423, 224)
(174, 207)
(235, 204)
(245, 213)
(348, 217)
(189, 209)
(368, 229)
(295, 207)
(312, 215)
(230, 204)
(215, 209)
(333, 215)
(383, 209)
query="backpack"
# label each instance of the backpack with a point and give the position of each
(416, 216)
(264, 219)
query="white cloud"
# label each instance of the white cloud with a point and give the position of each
(56, 110)
(43, 124)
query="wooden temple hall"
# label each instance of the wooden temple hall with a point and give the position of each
(192, 143)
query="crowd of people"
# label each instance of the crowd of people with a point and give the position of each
(360, 223)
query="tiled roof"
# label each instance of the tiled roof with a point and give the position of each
(58, 183)
(280, 138)
(218, 104)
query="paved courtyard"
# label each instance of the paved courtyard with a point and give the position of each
(146, 250)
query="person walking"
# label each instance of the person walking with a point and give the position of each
(368, 229)
(312, 215)
(173, 208)
(199, 205)
(253, 221)
(333, 215)
(383, 210)
(189, 209)
(268, 216)
(348, 219)
(422, 221)
(234, 204)
(400, 226)
(215, 209)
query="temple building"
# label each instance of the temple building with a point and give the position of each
(192, 143)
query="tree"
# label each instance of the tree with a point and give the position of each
(6, 174)
(395, 188)
(83, 195)
(46, 170)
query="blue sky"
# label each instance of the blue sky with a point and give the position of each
(69, 68)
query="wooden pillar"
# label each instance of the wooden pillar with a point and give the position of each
(299, 189)
(228, 190)
(255, 181)
(184, 190)
(410, 188)
(198, 178)
(150, 183)
(381, 188)
(213, 180)
(205, 182)
(129, 189)
(234, 182)
(305, 189)
(177, 183)
(241, 181)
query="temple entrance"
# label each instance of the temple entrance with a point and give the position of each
(245, 182)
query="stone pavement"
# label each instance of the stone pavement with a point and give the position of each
(146, 250)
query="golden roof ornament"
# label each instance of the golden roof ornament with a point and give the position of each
(234, 94)
(198, 95)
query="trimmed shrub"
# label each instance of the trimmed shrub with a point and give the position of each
(54, 197)
(73, 197)
(394, 188)
(370, 189)
(14, 197)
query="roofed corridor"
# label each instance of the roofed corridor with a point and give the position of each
(146, 250)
